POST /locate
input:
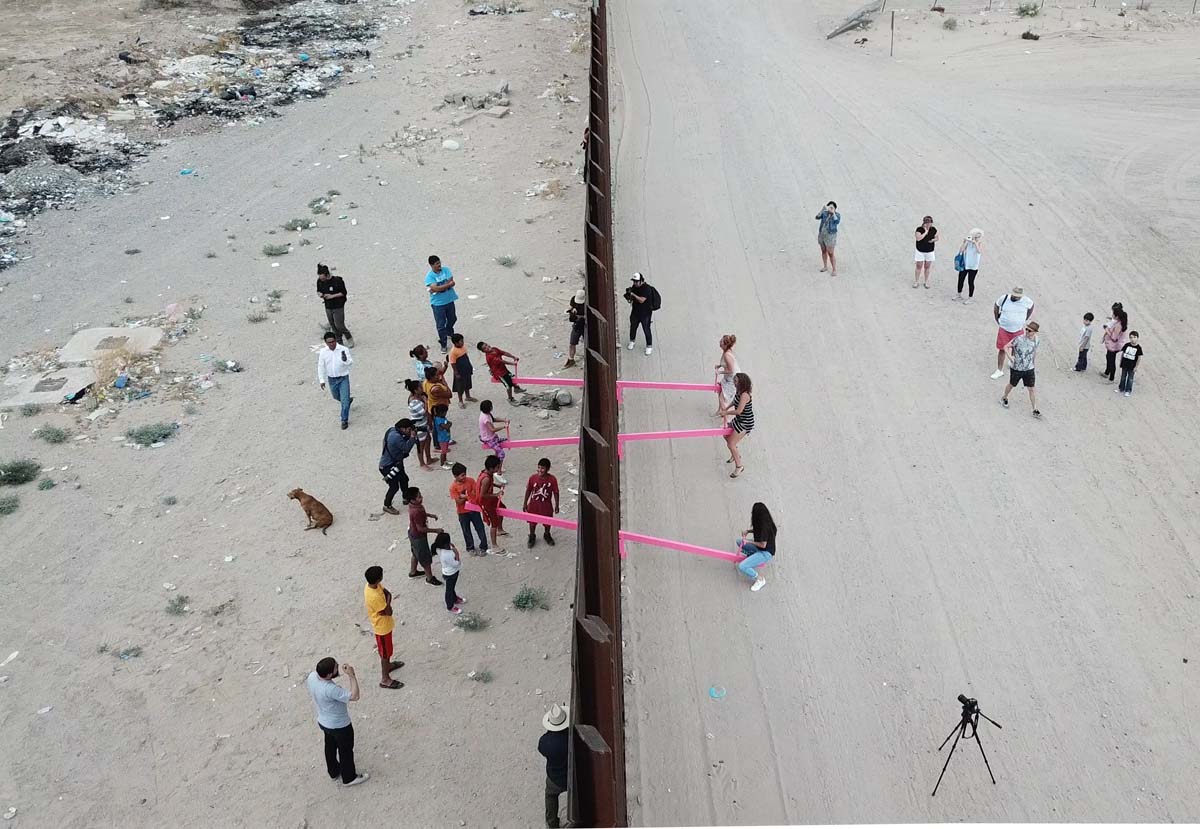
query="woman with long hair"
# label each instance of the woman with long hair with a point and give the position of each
(742, 410)
(1116, 335)
(728, 366)
(761, 549)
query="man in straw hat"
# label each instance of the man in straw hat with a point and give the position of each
(553, 746)
(1011, 311)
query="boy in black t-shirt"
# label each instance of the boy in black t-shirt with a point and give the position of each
(332, 290)
(1131, 356)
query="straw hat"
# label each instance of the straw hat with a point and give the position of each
(1017, 292)
(557, 718)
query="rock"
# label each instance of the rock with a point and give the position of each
(564, 398)
(502, 88)
(450, 144)
(496, 111)
(543, 415)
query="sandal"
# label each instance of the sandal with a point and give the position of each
(395, 666)
(916, 284)
(417, 574)
(737, 470)
(394, 685)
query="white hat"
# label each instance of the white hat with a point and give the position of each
(580, 296)
(637, 277)
(557, 718)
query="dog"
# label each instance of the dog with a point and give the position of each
(319, 516)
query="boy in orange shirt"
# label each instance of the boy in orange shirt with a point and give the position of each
(379, 610)
(464, 490)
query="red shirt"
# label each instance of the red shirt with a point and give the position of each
(417, 521)
(487, 489)
(540, 493)
(469, 488)
(495, 361)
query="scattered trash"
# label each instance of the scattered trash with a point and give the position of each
(450, 144)
(716, 692)
(186, 171)
(46, 710)
(11, 813)
(10, 658)
(168, 586)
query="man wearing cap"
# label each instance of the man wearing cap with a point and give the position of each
(643, 301)
(577, 314)
(1012, 311)
(553, 746)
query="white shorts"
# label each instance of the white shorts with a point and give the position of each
(919, 256)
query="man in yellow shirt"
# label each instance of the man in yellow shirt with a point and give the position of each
(379, 609)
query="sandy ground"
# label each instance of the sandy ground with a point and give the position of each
(212, 724)
(932, 543)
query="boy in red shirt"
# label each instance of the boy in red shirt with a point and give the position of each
(489, 500)
(499, 367)
(541, 498)
(464, 490)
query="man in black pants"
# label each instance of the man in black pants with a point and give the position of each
(397, 443)
(333, 717)
(643, 301)
(554, 746)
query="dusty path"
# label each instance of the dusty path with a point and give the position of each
(931, 542)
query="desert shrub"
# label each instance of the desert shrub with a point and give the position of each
(9, 504)
(256, 316)
(177, 606)
(506, 261)
(1028, 10)
(530, 598)
(299, 224)
(151, 433)
(471, 621)
(275, 250)
(52, 434)
(30, 409)
(46, 483)
(15, 473)
(950, 24)
(483, 676)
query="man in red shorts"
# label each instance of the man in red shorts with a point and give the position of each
(379, 609)
(490, 494)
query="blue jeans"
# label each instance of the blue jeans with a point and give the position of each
(467, 520)
(754, 558)
(1081, 363)
(1126, 383)
(444, 316)
(339, 388)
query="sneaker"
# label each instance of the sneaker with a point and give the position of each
(759, 584)
(391, 510)
(497, 551)
(532, 540)
(550, 539)
(362, 778)
(1004, 402)
(1128, 393)
(456, 610)
(434, 580)
(345, 424)
(997, 374)
(1117, 389)
(630, 346)
(459, 600)
(649, 350)
(1037, 412)
(447, 466)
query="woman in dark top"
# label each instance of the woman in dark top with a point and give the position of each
(762, 549)
(332, 289)
(926, 236)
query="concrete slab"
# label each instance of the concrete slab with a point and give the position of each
(92, 344)
(49, 388)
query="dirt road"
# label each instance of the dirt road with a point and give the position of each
(931, 542)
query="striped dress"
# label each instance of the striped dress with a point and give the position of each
(744, 423)
(416, 413)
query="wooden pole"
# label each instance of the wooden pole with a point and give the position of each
(892, 48)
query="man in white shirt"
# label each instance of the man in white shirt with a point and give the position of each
(333, 369)
(1012, 311)
(333, 717)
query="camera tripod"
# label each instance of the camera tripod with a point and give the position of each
(970, 717)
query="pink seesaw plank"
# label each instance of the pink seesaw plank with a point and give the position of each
(518, 515)
(694, 549)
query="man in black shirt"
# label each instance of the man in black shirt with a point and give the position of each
(554, 747)
(643, 301)
(333, 290)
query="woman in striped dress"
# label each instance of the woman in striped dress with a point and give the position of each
(418, 415)
(742, 410)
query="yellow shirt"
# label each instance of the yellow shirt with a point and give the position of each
(376, 602)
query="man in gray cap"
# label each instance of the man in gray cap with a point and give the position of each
(554, 747)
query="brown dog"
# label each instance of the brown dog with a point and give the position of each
(319, 516)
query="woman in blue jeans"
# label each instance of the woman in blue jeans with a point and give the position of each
(759, 551)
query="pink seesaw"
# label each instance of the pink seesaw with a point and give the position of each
(625, 535)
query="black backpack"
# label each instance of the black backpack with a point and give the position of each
(655, 299)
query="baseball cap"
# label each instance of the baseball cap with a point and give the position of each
(637, 277)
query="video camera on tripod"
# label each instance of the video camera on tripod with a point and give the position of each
(970, 717)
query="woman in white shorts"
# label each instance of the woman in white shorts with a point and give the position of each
(926, 235)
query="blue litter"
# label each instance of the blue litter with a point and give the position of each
(717, 692)
(186, 171)
(303, 57)
(122, 381)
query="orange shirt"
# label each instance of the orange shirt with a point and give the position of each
(469, 488)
